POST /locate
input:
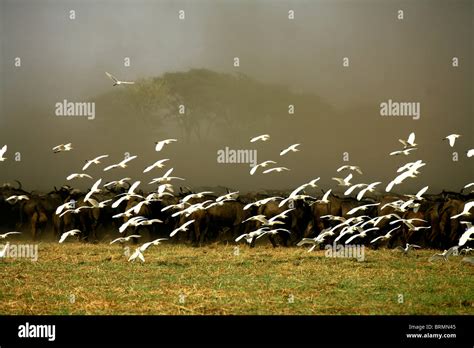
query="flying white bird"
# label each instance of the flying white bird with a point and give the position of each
(176, 206)
(67, 205)
(369, 188)
(410, 142)
(68, 234)
(295, 198)
(249, 237)
(153, 242)
(375, 221)
(466, 236)
(196, 207)
(5, 235)
(165, 178)
(75, 211)
(347, 229)
(311, 241)
(183, 227)
(312, 184)
(118, 183)
(138, 206)
(407, 222)
(333, 218)
(137, 254)
(347, 167)
(62, 148)
(465, 212)
(122, 240)
(395, 205)
(345, 181)
(405, 152)
(131, 222)
(126, 196)
(163, 188)
(282, 215)
(196, 195)
(325, 198)
(122, 164)
(451, 139)
(410, 204)
(361, 234)
(78, 175)
(399, 179)
(292, 148)
(157, 164)
(417, 228)
(260, 218)
(2, 153)
(155, 197)
(419, 194)
(316, 240)
(412, 167)
(122, 215)
(96, 204)
(273, 222)
(445, 254)
(354, 187)
(94, 189)
(227, 196)
(263, 137)
(133, 187)
(273, 232)
(362, 207)
(263, 165)
(387, 236)
(276, 169)
(149, 222)
(118, 82)
(94, 161)
(407, 248)
(468, 186)
(160, 144)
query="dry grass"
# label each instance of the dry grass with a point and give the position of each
(215, 281)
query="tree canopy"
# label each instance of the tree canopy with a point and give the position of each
(213, 102)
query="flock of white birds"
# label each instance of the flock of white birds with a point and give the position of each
(358, 227)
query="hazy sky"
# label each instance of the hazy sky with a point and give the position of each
(405, 60)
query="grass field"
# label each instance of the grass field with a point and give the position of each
(78, 278)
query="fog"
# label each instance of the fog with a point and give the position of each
(407, 60)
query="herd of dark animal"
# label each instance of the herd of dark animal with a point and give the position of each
(36, 217)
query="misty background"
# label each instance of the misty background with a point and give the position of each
(282, 62)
